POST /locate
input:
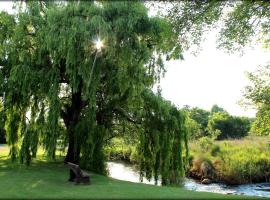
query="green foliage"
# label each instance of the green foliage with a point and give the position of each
(215, 108)
(82, 95)
(217, 124)
(240, 22)
(13, 130)
(247, 21)
(2, 124)
(191, 19)
(236, 161)
(215, 150)
(200, 116)
(258, 94)
(120, 149)
(193, 128)
(205, 144)
(162, 144)
(222, 125)
(241, 126)
(261, 124)
(246, 162)
(197, 121)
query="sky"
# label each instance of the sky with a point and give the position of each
(6, 6)
(211, 77)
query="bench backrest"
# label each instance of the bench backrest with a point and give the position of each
(75, 168)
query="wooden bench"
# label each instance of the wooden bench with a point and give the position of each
(81, 176)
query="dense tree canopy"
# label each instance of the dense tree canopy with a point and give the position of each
(73, 71)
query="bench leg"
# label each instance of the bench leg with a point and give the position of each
(77, 181)
(72, 176)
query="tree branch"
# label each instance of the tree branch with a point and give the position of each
(122, 113)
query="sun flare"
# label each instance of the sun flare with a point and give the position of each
(98, 44)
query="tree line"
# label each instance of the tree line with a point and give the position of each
(216, 123)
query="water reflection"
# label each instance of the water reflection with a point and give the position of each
(126, 172)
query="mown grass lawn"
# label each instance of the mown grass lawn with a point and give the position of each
(48, 180)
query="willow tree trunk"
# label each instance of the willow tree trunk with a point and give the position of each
(71, 119)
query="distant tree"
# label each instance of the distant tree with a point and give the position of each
(219, 125)
(261, 124)
(215, 108)
(193, 128)
(241, 126)
(201, 117)
(222, 126)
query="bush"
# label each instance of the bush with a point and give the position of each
(224, 126)
(205, 143)
(215, 150)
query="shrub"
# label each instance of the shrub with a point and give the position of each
(205, 143)
(215, 150)
(228, 126)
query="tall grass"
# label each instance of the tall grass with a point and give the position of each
(236, 161)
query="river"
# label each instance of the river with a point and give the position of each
(128, 172)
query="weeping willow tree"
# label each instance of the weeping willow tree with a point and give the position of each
(71, 70)
(163, 144)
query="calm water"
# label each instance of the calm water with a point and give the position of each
(123, 171)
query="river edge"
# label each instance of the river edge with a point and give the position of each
(125, 171)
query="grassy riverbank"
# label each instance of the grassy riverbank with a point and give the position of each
(237, 161)
(234, 161)
(48, 180)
